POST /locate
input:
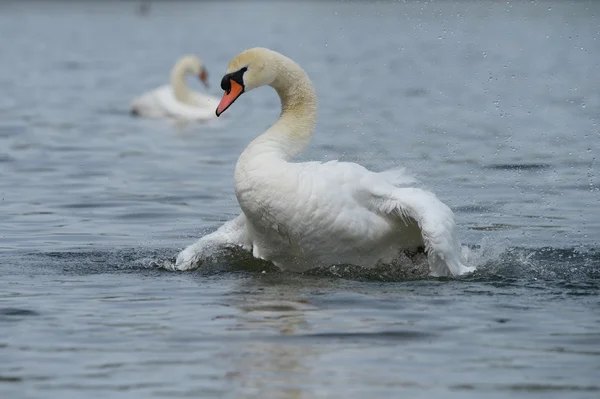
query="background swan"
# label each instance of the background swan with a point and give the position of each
(303, 215)
(177, 100)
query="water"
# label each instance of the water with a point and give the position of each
(493, 105)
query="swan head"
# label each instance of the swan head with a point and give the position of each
(192, 64)
(248, 70)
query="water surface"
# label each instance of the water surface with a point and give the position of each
(495, 106)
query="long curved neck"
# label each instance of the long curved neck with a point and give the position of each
(294, 128)
(180, 89)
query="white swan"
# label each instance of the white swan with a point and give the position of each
(303, 215)
(177, 100)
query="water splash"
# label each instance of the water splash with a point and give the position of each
(494, 261)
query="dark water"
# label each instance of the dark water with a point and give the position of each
(494, 105)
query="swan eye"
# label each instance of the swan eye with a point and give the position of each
(237, 76)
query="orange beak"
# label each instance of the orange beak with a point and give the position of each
(230, 96)
(204, 77)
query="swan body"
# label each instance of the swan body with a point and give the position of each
(309, 214)
(177, 100)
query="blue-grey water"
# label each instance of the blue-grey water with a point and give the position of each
(494, 105)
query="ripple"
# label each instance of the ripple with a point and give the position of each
(16, 312)
(12, 130)
(496, 226)
(519, 166)
(416, 92)
(91, 205)
(388, 336)
(527, 387)
(474, 208)
(5, 158)
(549, 387)
(10, 379)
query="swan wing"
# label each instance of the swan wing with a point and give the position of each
(178, 110)
(205, 101)
(434, 218)
(175, 109)
(150, 104)
(161, 103)
(230, 234)
(392, 196)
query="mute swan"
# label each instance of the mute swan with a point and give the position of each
(303, 215)
(177, 100)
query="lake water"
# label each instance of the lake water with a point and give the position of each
(494, 105)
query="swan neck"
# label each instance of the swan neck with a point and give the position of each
(180, 89)
(294, 129)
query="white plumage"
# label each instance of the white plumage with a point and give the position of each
(304, 215)
(177, 100)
